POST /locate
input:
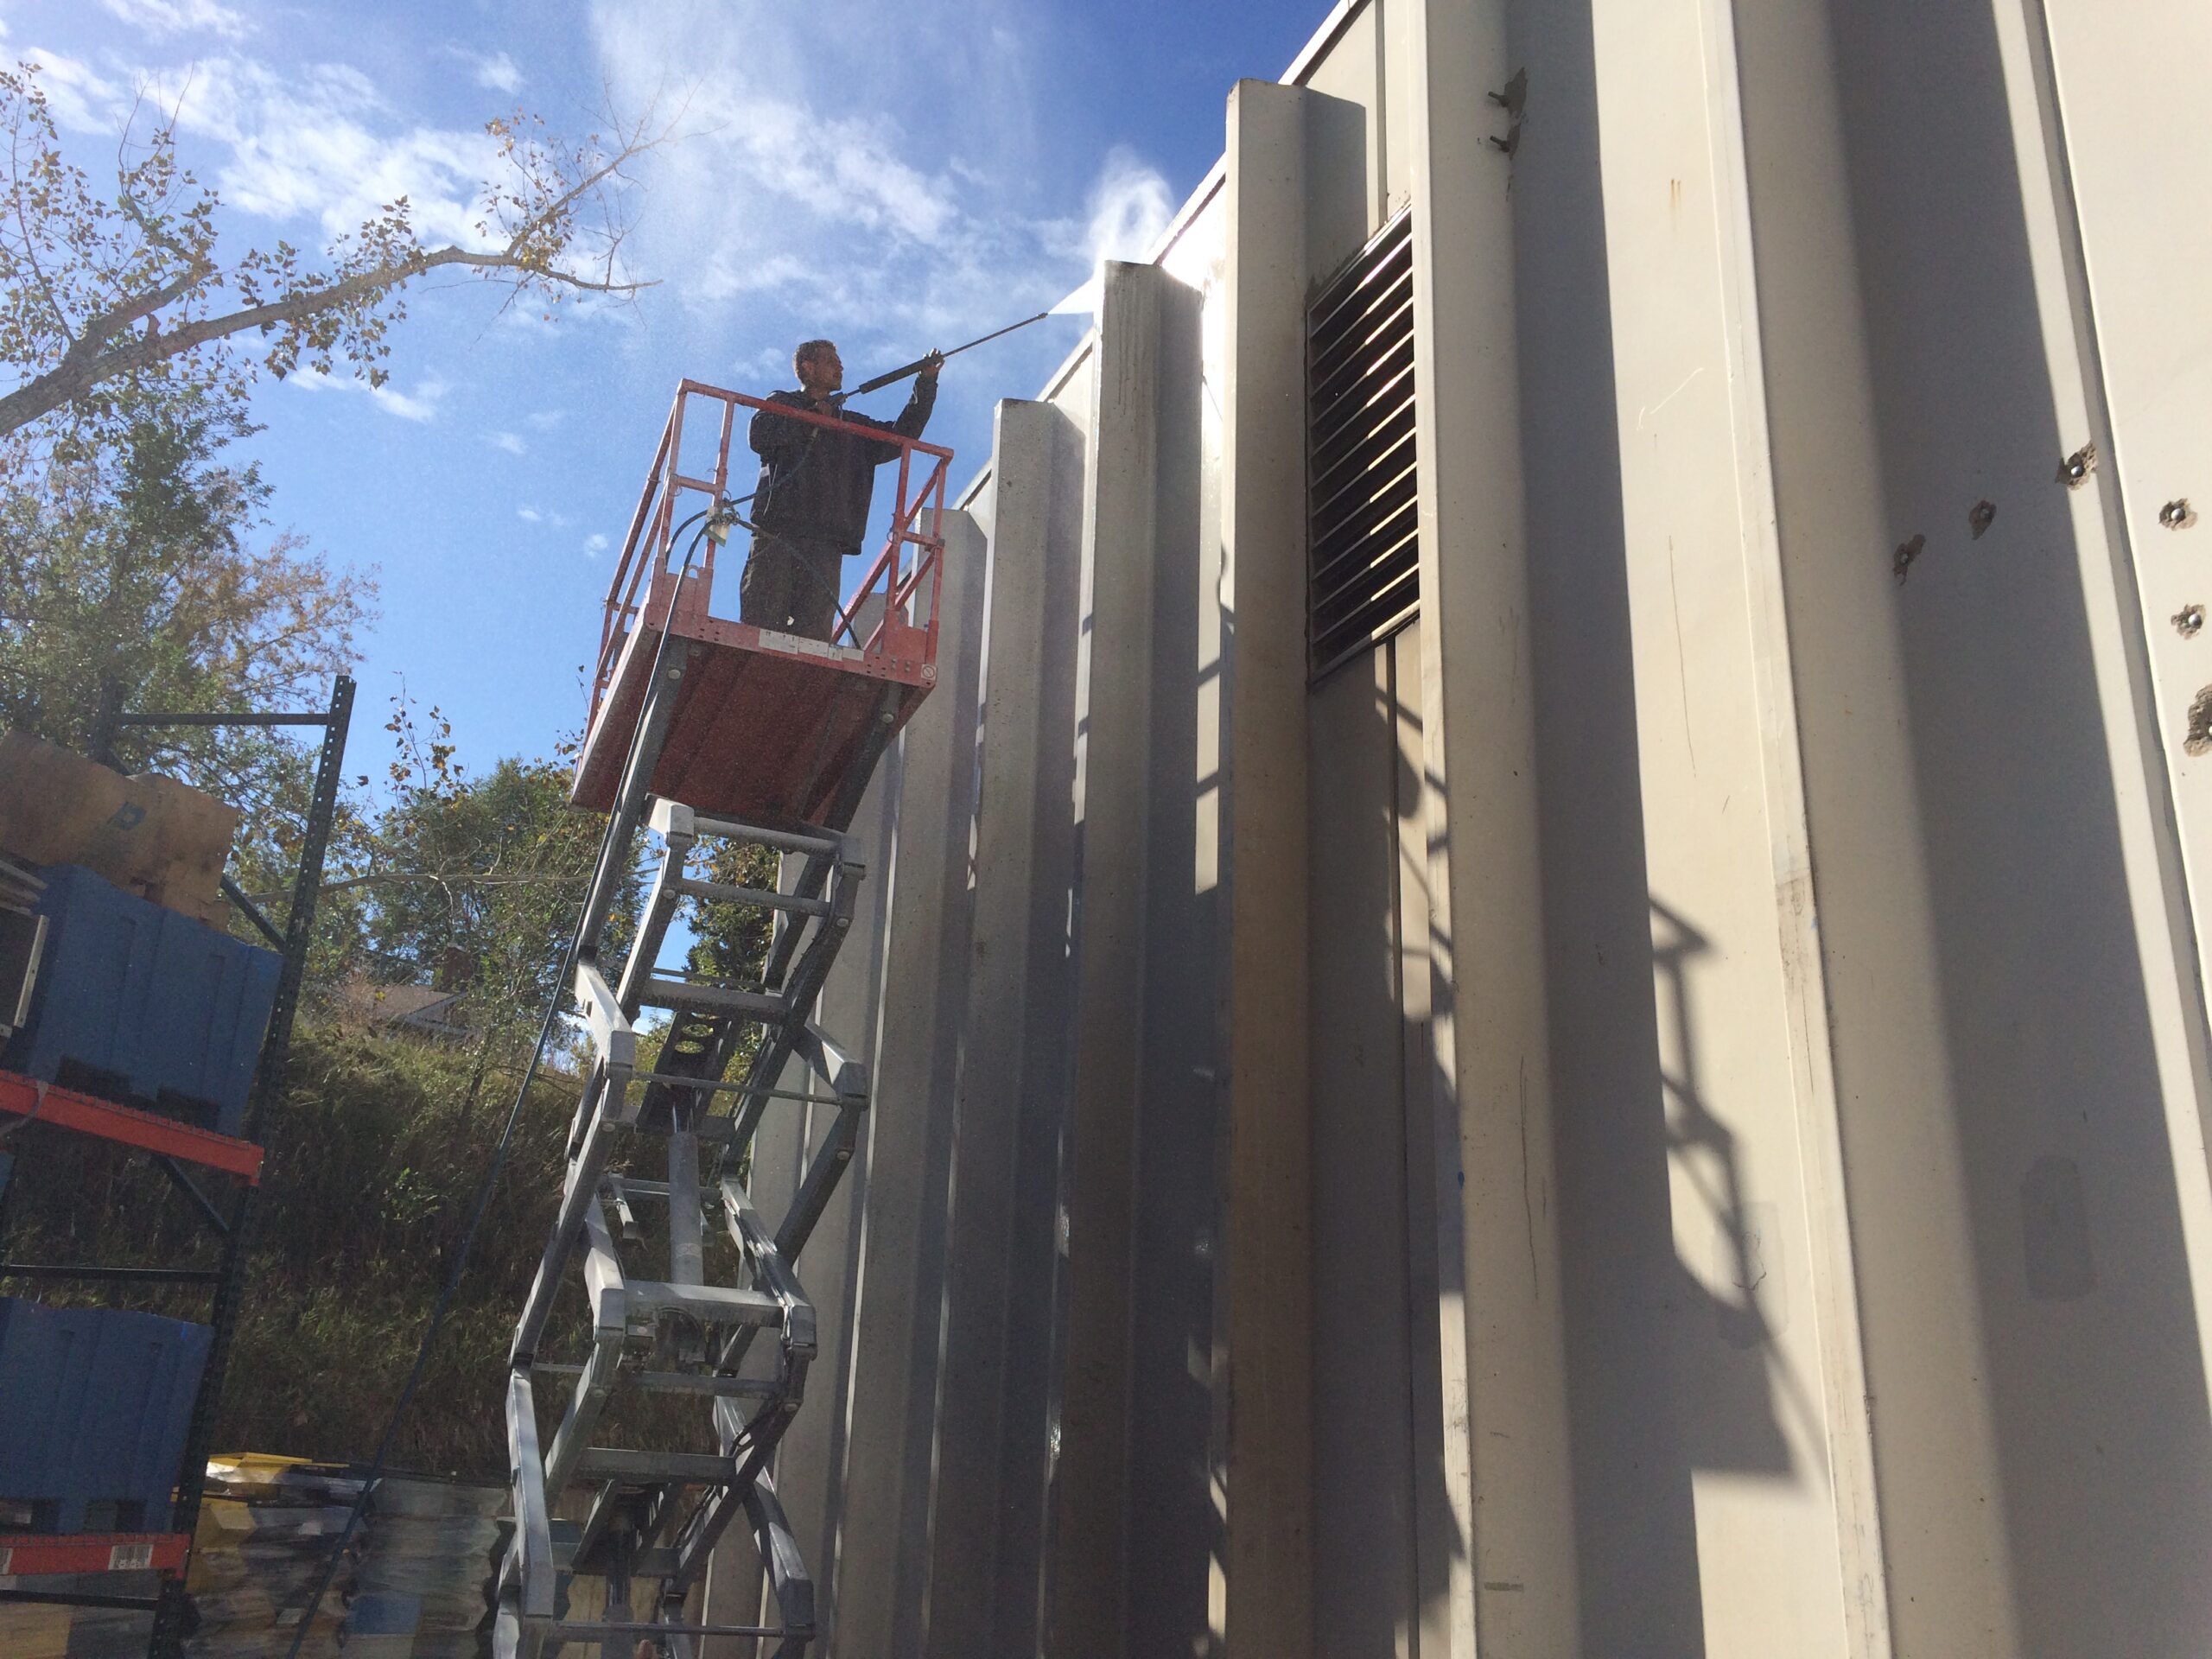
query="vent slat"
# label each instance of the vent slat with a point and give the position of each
(1362, 503)
(1382, 259)
(1362, 490)
(1380, 385)
(1351, 346)
(1348, 474)
(1391, 516)
(1396, 599)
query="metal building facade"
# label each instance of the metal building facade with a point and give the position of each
(1660, 1110)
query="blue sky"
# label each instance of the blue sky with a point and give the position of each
(897, 175)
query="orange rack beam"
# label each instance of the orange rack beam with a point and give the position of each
(26, 1555)
(43, 1102)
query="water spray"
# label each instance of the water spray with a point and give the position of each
(1088, 296)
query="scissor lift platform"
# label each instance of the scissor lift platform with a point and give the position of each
(702, 727)
(766, 725)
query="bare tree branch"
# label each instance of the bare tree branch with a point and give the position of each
(86, 365)
(168, 218)
(31, 244)
(448, 880)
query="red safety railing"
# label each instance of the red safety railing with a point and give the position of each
(907, 576)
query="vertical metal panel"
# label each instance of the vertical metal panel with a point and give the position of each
(1512, 1587)
(1088, 1581)
(1772, 1365)
(992, 1447)
(882, 1550)
(2138, 147)
(1269, 1574)
(1364, 1580)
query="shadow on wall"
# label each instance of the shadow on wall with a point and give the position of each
(2089, 1321)
(1737, 1382)
(1637, 1431)
(1673, 1310)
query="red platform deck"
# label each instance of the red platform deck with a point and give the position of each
(767, 727)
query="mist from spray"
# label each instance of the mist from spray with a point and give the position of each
(1128, 208)
(1084, 300)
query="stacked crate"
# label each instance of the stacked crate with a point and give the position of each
(124, 1014)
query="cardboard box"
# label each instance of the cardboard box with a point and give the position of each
(151, 835)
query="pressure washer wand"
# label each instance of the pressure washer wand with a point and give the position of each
(921, 363)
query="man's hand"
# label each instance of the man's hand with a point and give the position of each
(931, 365)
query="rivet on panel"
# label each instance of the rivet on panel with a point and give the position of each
(2178, 514)
(1901, 561)
(2199, 736)
(1983, 515)
(2074, 471)
(2188, 620)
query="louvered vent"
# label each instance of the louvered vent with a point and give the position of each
(1363, 555)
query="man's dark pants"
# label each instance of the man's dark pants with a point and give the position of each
(790, 585)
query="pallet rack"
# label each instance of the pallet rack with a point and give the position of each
(37, 1557)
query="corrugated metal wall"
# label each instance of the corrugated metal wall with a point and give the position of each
(1660, 1111)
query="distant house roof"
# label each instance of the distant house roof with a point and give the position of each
(414, 1008)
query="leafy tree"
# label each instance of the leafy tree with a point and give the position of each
(150, 580)
(472, 883)
(96, 292)
(146, 576)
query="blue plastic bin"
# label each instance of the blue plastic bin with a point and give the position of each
(94, 1405)
(141, 1005)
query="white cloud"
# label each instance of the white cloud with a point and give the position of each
(594, 544)
(769, 364)
(422, 408)
(890, 238)
(508, 441)
(317, 142)
(420, 405)
(80, 97)
(321, 143)
(529, 515)
(544, 420)
(543, 516)
(163, 18)
(498, 73)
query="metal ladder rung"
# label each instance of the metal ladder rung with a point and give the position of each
(619, 1462)
(685, 995)
(712, 1303)
(570, 1631)
(722, 892)
(727, 1388)
(715, 1128)
(656, 1563)
(786, 841)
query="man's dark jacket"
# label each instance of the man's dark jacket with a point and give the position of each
(816, 484)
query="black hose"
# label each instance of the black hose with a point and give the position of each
(483, 1202)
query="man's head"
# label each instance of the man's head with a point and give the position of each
(820, 370)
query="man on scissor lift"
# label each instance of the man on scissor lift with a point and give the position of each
(815, 487)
